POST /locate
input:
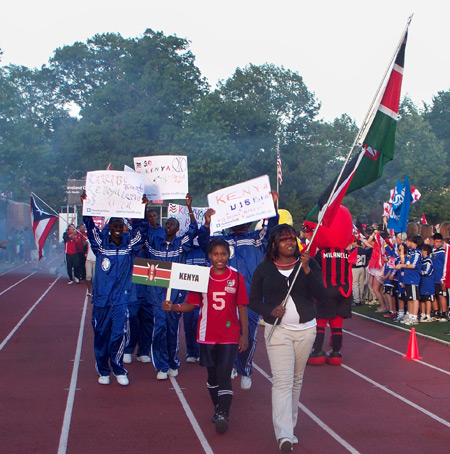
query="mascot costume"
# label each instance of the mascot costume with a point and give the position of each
(330, 250)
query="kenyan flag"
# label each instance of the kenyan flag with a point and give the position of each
(151, 272)
(378, 145)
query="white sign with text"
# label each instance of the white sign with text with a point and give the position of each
(112, 193)
(241, 203)
(165, 177)
(181, 214)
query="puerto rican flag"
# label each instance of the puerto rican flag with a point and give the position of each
(42, 223)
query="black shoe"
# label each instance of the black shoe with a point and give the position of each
(214, 418)
(285, 445)
(333, 354)
(221, 422)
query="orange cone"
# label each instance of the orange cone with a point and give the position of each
(413, 351)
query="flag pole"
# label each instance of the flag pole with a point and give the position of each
(359, 137)
(277, 170)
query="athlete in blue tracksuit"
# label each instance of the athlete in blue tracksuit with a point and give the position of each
(114, 251)
(171, 248)
(247, 252)
(140, 309)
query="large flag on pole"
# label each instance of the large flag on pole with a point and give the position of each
(41, 223)
(377, 145)
(398, 216)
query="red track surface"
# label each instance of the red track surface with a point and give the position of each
(377, 402)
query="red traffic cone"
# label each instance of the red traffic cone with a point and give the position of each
(413, 351)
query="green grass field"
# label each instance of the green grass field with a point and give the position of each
(433, 329)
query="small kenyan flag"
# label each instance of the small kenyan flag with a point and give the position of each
(151, 272)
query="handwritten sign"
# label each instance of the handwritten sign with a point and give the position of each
(181, 214)
(165, 177)
(168, 274)
(241, 203)
(111, 193)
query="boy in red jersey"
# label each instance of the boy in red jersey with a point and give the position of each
(220, 333)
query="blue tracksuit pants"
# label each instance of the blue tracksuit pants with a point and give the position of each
(111, 335)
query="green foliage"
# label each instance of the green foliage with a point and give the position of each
(111, 99)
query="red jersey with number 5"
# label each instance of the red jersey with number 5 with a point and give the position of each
(218, 322)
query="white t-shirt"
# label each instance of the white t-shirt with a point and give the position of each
(291, 318)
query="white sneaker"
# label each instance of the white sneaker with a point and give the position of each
(246, 382)
(144, 359)
(234, 373)
(127, 359)
(173, 372)
(122, 380)
(77, 281)
(412, 321)
(162, 375)
(294, 440)
(70, 283)
(192, 359)
(104, 380)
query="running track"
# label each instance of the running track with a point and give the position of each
(50, 402)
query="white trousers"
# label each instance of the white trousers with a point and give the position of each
(288, 353)
(359, 280)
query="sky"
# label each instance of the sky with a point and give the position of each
(341, 48)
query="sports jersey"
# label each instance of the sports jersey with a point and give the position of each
(362, 257)
(389, 268)
(412, 275)
(218, 322)
(337, 268)
(438, 258)
(426, 286)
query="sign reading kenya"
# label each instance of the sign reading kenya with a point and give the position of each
(165, 177)
(241, 203)
(174, 275)
(111, 193)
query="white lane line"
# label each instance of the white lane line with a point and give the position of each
(17, 283)
(191, 418)
(396, 352)
(399, 327)
(64, 437)
(403, 399)
(12, 269)
(27, 314)
(317, 420)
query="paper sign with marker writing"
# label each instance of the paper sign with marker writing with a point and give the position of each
(181, 214)
(165, 177)
(111, 193)
(241, 203)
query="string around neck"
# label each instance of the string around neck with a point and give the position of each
(285, 264)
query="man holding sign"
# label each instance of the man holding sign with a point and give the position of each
(247, 251)
(114, 250)
(171, 248)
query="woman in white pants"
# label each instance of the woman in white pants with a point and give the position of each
(290, 345)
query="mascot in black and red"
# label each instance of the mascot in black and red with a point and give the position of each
(330, 250)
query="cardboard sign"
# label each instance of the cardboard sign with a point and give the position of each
(241, 203)
(111, 193)
(181, 214)
(165, 177)
(174, 275)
